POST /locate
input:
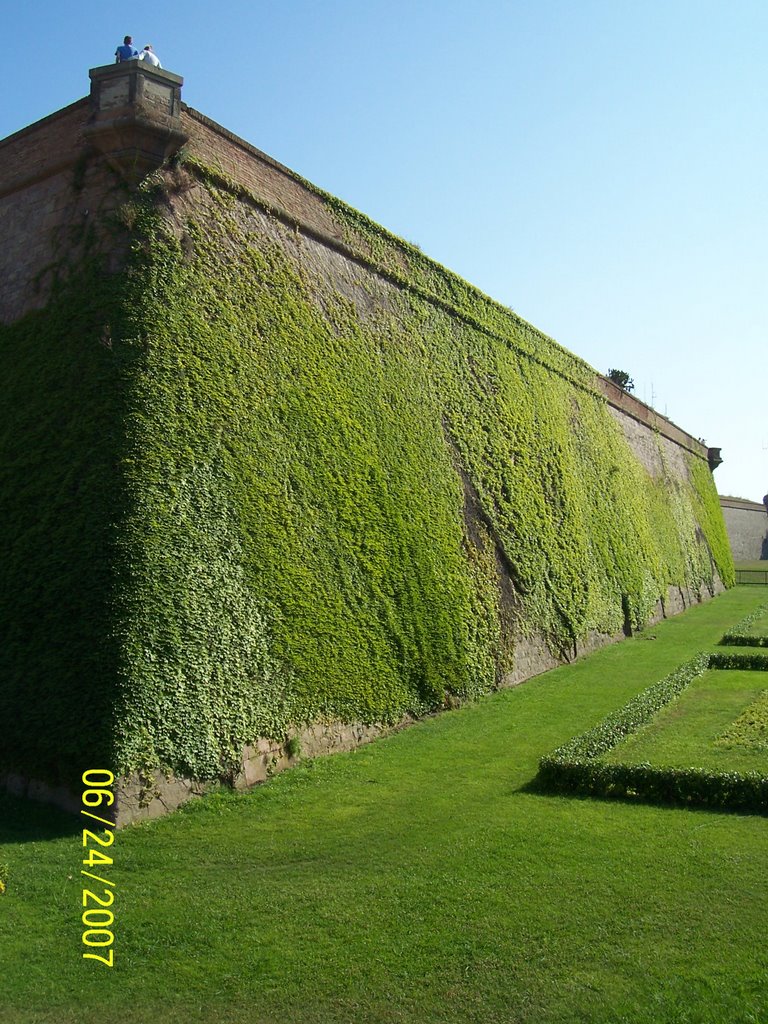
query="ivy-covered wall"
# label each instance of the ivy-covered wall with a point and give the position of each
(251, 484)
(61, 435)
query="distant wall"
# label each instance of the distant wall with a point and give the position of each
(747, 525)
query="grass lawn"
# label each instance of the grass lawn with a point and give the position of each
(415, 880)
(761, 564)
(685, 734)
(759, 627)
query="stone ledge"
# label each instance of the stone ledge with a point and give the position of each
(647, 415)
(744, 504)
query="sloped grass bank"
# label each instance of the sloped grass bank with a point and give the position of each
(415, 880)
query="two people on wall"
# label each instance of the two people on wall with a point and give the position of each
(127, 52)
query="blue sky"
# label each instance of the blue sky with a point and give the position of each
(597, 165)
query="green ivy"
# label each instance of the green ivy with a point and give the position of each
(252, 484)
(61, 427)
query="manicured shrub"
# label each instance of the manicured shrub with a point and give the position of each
(742, 634)
(576, 767)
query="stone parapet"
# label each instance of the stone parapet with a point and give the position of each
(630, 406)
(135, 117)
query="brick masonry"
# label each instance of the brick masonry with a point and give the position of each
(53, 194)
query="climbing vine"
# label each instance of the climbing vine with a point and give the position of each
(325, 491)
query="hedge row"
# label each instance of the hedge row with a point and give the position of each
(748, 662)
(741, 634)
(576, 767)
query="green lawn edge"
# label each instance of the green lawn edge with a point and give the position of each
(742, 635)
(576, 766)
(416, 879)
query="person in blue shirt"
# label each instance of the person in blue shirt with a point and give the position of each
(126, 51)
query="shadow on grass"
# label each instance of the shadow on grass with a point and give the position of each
(536, 787)
(27, 821)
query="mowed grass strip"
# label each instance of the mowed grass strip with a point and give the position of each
(414, 880)
(685, 734)
(750, 729)
(760, 627)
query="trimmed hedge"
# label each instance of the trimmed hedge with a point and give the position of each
(576, 767)
(742, 636)
(754, 662)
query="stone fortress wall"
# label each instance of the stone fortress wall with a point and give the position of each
(51, 189)
(55, 190)
(747, 526)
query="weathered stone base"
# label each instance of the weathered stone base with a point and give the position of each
(138, 798)
(33, 789)
(533, 656)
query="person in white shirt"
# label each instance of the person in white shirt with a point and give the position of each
(149, 54)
